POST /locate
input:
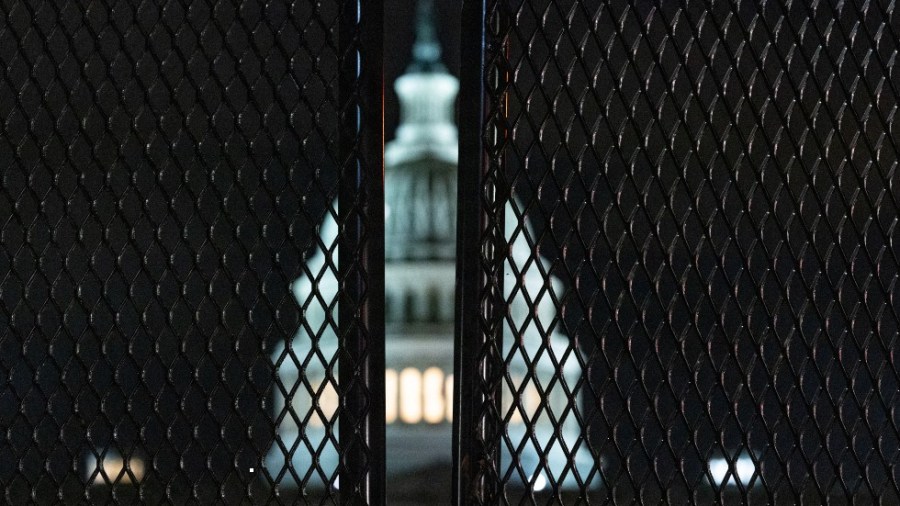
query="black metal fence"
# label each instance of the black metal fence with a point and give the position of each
(166, 167)
(714, 185)
(678, 274)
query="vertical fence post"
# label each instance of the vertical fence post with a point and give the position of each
(466, 454)
(480, 257)
(361, 254)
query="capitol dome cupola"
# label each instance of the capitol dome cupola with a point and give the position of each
(420, 163)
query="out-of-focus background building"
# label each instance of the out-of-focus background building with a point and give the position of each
(420, 245)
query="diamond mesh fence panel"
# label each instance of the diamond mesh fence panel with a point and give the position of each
(683, 280)
(169, 328)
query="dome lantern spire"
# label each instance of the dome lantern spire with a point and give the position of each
(421, 160)
(427, 48)
(427, 93)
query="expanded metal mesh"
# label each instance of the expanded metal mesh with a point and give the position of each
(714, 186)
(165, 168)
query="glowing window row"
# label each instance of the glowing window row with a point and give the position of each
(413, 396)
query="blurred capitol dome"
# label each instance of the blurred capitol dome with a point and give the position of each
(420, 252)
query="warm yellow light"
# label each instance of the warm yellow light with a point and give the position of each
(328, 401)
(448, 395)
(410, 395)
(314, 419)
(115, 473)
(532, 400)
(510, 391)
(433, 386)
(390, 395)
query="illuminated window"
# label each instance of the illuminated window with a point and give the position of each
(744, 469)
(509, 392)
(532, 400)
(448, 395)
(391, 393)
(410, 395)
(112, 469)
(433, 386)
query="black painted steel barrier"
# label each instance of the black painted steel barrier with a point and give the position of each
(678, 271)
(165, 172)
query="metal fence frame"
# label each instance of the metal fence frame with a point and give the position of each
(479, 247)
(485, 138)
(361, 253)
(39, 33)
(482, 253)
